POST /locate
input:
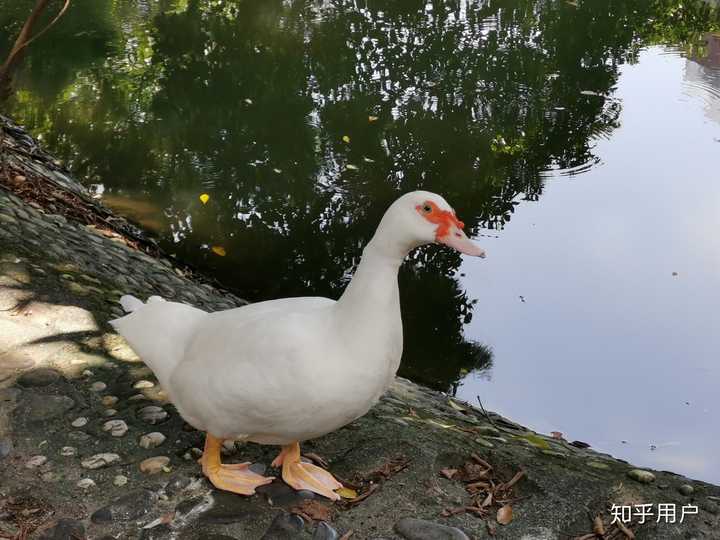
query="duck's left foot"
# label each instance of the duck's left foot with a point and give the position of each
(235, 477)
(300, 475)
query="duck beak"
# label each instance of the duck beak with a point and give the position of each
(457, 239)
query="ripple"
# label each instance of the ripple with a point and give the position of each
(556, 171)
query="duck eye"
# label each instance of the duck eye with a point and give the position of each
(427, 208)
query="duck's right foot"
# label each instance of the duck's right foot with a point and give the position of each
(235, 477)
(299, 475)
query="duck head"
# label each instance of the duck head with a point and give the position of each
(418, 218)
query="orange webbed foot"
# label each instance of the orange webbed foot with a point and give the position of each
(234, 477)
(300, 475)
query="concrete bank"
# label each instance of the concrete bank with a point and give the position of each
(90, 447)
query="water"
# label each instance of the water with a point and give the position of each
(579, 148)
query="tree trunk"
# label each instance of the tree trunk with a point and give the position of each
(15, 53)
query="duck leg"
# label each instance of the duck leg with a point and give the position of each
(300, 475)
(234, 477)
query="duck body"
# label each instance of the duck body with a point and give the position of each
(288, 370)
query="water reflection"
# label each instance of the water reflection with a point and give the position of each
(702, 74)
(304, 120)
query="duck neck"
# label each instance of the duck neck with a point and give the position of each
(373, 291)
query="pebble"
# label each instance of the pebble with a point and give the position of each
(79, 422)
(154, 465)
(284, 527)
(280, 494)
(686, 489)
(137, 397)
(38, 377)
(484, 442)
(152, 414)
(420, 529)
(68, 451)
(120, 480)
(152, 440)
(117, 428)
(99, 460)
(65, 529)
(35, 462)
(109, 401)
(6, 446)
(143, 384)
(598, 465)
(325, 532)
(49, 476)
(488, 430)
(126, 508)
(110, 412)
(85, 483)
(644, 477)
(98, 386)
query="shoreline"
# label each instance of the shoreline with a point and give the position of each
(71, 390)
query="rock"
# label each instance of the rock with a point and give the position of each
(99, 460)
(229, 508)
(109, 401)
(6, 446)
(143, 384)
(644, 477)
(98, 386)
(35, 462)
(38, 377)
(85, 483)
(598, 465)
(79, 436)
(126, 508)
(117, 428)
(280, 494)
(120, 480)
(152, 414)
(325, 532)
(686, 489)
(65, 529)
(420, 529)
(79, 422)
(152, 440)
(484, 442)
(284, 527)
(109, 412)
(159, 532)
(491, 431)
(258, 468)
(154, 465)
(41, 407)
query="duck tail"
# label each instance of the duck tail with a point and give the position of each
(158, 331)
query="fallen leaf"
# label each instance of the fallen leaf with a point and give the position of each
(204, 198)
(347, 493)
(504, 515)
(346, 138)
(350, 167)
(448, 473)
(372, 118)
(219, 250)
(456, 406)
(598, 526)
(556, 434)
(314, 510)
(347, 535)
(536, 441)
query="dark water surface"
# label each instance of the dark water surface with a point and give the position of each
(579, 142)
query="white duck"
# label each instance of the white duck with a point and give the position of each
(288, 370)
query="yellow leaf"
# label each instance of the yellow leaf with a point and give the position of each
(347, 493)
(455, 405)
(346, 138)
(204, 198)
(219, 250)
(439, 424)
(505, 515)
(372, 118)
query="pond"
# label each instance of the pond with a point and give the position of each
(578, 141)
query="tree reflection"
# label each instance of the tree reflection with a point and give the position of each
(250, 102)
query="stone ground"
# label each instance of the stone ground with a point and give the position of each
(90, 447)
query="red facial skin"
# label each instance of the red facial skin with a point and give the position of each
(444, 219)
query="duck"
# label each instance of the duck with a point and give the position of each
(283, 371)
